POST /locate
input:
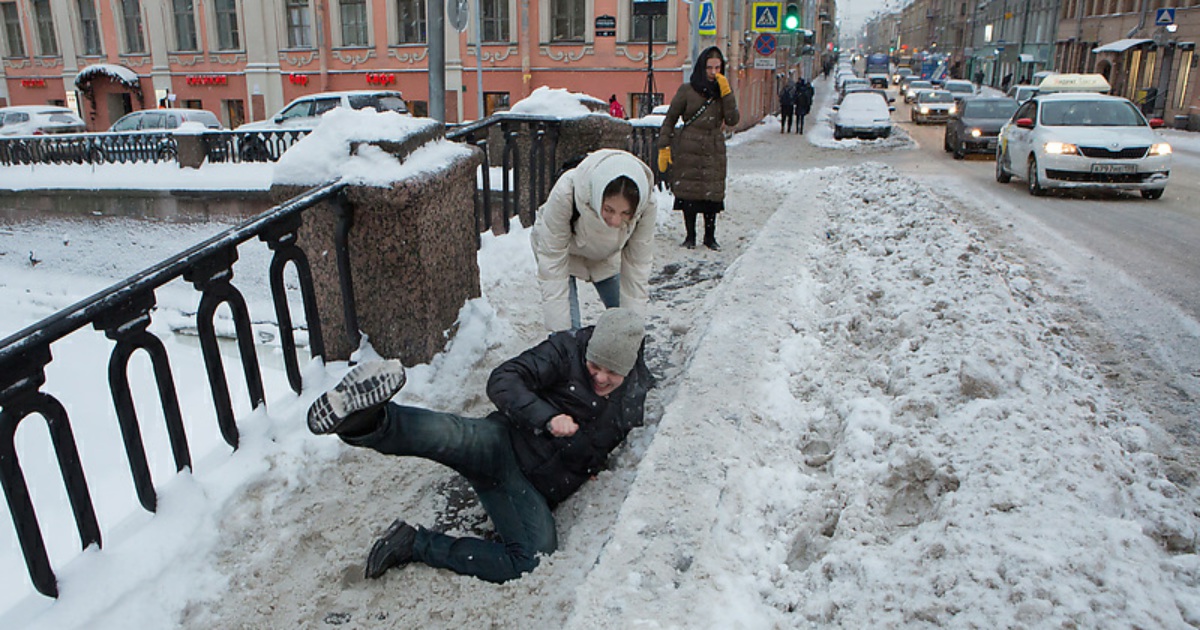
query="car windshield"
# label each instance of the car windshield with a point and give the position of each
(916, 85)
(936, 97)
(378, 102)
(989, 109)
(1091, 114)
(960, 87)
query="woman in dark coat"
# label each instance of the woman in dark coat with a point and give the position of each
(695, 153)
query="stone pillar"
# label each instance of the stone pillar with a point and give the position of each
(412, 257)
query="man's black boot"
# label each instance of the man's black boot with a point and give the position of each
(393, 549)
(351, 406)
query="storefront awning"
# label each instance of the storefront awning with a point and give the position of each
(1026, 58)
(1121, 45)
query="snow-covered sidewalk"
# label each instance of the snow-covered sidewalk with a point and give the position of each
(861, 421)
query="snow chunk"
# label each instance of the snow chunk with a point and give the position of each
(558, 103)
(111, 70)
(324, 154)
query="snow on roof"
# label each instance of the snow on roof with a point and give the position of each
(324, 154)
(111, 70)
(558, 103)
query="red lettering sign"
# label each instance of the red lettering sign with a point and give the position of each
(33, 83)
(298, 79)
(381, 78)
(207, 79)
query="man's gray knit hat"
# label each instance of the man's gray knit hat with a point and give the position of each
(615, 342)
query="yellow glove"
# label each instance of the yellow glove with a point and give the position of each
(723, 83)
(664, 159)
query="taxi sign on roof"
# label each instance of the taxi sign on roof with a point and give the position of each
(1073, 83)
(766, 16)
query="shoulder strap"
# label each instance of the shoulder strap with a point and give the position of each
(698, 112)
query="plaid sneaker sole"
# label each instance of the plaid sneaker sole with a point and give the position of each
(363, 387)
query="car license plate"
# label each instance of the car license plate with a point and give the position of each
(1114, 168)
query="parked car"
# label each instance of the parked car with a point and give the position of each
(35, 120)
(862, 88)
(305, 112)
(932, 106)
(862, 115)
(912, 87)
(976, 126)
(848, 83)
(1021, 93)
(165, 119)
(1083, 140)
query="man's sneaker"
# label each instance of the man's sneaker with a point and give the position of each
(368, 385)
(392, 550)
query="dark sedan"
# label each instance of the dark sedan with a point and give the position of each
(976, 125)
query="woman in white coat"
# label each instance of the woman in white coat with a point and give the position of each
(597, 225)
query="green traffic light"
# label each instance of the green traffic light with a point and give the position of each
(791, 22)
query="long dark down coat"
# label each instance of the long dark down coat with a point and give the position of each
(697, 172)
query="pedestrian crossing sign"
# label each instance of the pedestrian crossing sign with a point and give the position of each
(766, 16)
(1164, 17)
(708, 19)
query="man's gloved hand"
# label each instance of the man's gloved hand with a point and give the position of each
(723, 83)
(664, 159)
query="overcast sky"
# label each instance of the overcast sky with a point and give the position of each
(853, 13)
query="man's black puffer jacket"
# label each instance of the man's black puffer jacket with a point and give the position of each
(552, 378)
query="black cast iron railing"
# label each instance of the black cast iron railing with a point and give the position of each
(151, 147)
(124, 312)
(527, 153)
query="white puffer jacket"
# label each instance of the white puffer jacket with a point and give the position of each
(590, 250)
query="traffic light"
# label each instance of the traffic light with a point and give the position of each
(791, 18)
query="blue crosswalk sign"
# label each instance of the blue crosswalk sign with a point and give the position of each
(1164, 17)
(766, 16)
(708, 19)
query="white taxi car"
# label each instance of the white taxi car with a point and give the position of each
(1083, 140)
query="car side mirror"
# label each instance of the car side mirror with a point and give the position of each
(1025, 123)
(279, 120)
(1155, 123)
(891, 99)
(835, 108)
(891, 108)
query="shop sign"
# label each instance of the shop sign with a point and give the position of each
(33, 83)
(298, 79)
(381, 78)
(207, 79)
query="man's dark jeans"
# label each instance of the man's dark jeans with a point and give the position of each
(478, 449)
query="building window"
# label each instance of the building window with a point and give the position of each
(495, 102)
(1181, 80)
(228, 37)
(12, 30)
(234, 111)
(353, 14)
(185, 24)
(193, 103)
(640, 27)
(299, 24)
(89, 27)
(567, 20)
(131, 19)
(410, 21)
(495, 20)
(47, 43)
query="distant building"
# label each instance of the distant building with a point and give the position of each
(245, 59)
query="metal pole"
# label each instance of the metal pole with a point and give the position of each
(479, 58)
(436, 30)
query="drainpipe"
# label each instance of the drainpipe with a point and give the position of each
(1141, 21)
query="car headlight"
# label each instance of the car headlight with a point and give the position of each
(953, 109)
(924, 110)
(1160, 148)
(1061, 148)
(975, 133)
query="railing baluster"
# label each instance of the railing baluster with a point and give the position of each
(19, 399)
(281, 238)
(211, 276)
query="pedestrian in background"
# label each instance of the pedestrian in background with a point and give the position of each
(597, 225)
(804, 99)
(614, 107)
(787, 106)
(695, 152)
